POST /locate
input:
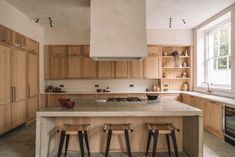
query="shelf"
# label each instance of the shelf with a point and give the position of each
(173, 57)
(176, 78)
(175, 67)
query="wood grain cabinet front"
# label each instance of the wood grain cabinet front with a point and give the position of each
(136, 69)
(74, 62)
(5, 118)
(32, 46)
(5, 35)
(121, 69)
(151, 67)
(105, 69)
(19, 40)
(32, 107)
(18, 113)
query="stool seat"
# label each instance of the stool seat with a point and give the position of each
(161, 128)
(117, 128)
(168, 130)
(121, 129)
(80, 130)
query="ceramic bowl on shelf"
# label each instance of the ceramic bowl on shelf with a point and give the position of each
(66, 102)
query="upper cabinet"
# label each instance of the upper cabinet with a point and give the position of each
(32, 46)
(5, 35)
(74, 62)
(19, 40)
(105, 69)
(136, 69)
(151, 66)
(121, 69)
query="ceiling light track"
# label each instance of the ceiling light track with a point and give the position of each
(49, 18)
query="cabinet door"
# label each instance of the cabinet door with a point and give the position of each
(171, 96)
(74, 62)
(18, 70)
(58, 61)
(105, 69)
(136, 69)
(121, 69)
(154, 50)
(33, 75)
(198, 103)
(19, 40)
(214, 117)
(32, 46)
(5, 117)
(187, 99)
(5, 35)
(32, 107)
(152, 67)
(18, 113)
(5, 82)
(89, 68)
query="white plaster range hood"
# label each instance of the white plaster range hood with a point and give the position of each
(118, 30)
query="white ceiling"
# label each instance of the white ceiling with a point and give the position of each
(75, 14)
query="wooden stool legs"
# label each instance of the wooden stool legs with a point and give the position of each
(128, 143)
(155, 137)
(81, 136)
(108, 143)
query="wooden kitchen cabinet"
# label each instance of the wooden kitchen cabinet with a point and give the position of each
(213, 114)
(176, 97)
(58, 61)
(5, 70)
(151, 66)
(32, 46)
(18, 73)
(19, 40)
(18, 113)
(105, 69)
(32, 74)
(136, 69)
(74, 62)
(5, 35)
(89, 69)
(121, 69)
(32, 107)
(154, 50)
(194, 101)
(5, 118)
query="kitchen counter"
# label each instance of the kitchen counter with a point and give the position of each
(188, 119)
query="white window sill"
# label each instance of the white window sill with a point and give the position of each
(216, 91)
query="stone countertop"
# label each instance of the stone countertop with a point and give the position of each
(92, 108)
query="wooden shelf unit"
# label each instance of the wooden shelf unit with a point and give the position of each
(172, 72)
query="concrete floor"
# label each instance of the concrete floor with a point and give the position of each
(21, 143)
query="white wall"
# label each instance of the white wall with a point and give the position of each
(17, 21)
(200, 50)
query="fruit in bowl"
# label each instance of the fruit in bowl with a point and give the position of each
(66, 102)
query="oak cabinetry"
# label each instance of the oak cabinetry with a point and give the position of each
(74, 62)
(105, 69)
(32, 107)
(136, 69)
(171, 96)
(5, 70)
(121, 69)
(18, 113)
(5, 118)
(19, 40)
(32, 46)
(151, 66)
(89, 66)
(214, 117)
(5, 35)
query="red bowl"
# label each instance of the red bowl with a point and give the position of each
(64, 101)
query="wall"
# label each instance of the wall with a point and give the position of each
(199, 49)
(17, 21)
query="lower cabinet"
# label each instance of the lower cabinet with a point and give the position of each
(32, 107)
(5, 118)
(213, 117)
(18, 113)
(172, 96)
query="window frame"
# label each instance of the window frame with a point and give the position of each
(206, 53)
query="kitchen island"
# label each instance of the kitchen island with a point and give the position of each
(188, 119)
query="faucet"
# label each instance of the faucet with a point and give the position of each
(208, 86)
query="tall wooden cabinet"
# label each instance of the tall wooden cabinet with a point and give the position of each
(5, 117)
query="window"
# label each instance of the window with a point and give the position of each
(218, 55)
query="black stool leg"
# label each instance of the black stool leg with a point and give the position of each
(148, 143)
(80, 136)
(87, 144)
(108, 143)
(168, 144)
(66, 144)
(61, 143)
(128, 142)
(155, 143)
(174, 143)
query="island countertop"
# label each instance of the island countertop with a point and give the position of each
(92, 108)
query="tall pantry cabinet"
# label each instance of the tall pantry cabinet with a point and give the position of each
(18, 79)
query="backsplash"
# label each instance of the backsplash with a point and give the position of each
(122, 85)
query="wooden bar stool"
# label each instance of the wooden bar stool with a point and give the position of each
(66, 130)
(120, 129)
(165, 129)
